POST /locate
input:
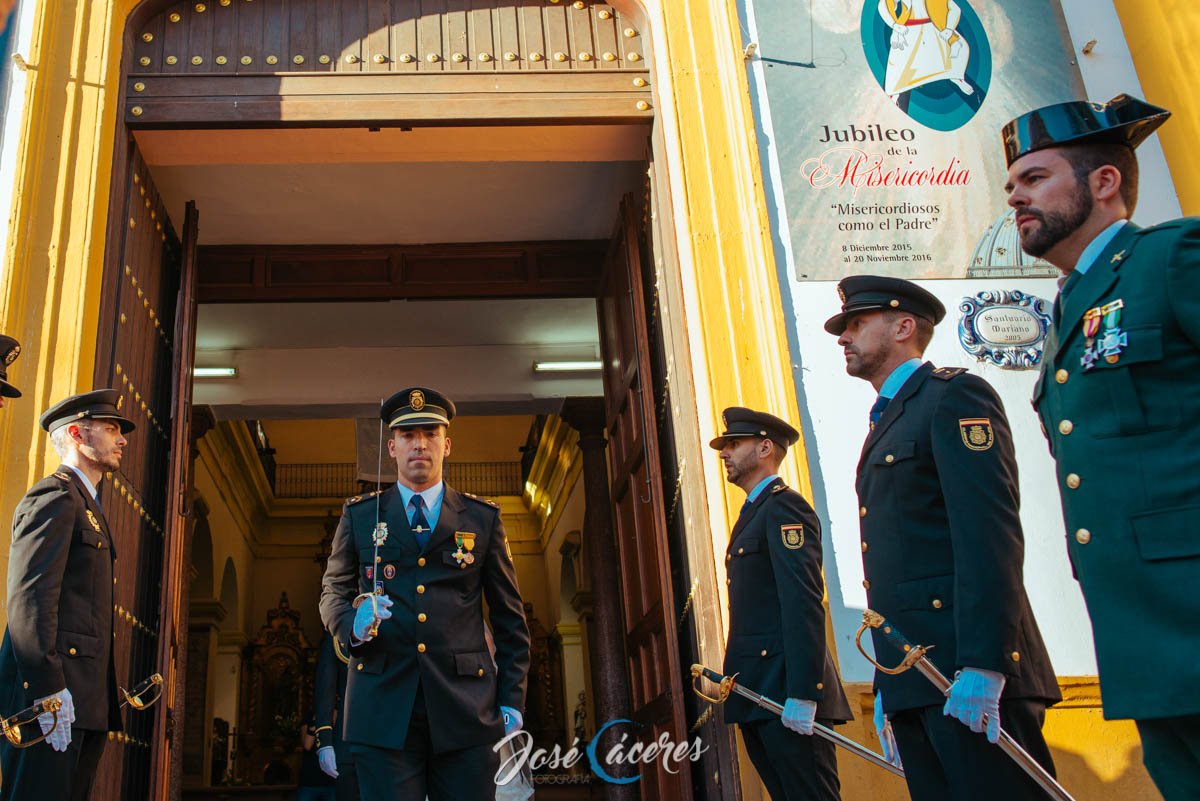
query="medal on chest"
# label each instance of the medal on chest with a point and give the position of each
(1111, 341)
(465, 542)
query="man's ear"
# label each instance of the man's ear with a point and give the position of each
(392, 445)
(446, 452)
(1105, 182)
(906, 328)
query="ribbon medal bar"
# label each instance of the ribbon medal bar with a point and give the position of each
(465, 540)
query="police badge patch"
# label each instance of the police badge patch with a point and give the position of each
(793, 536)
(976, 433)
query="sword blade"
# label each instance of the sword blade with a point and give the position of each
(823, 732)
(1007, 744)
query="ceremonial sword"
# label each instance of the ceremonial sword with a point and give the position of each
(11, 725)
(728, 684)
(914, 656)
(134, 697)
(378, 537)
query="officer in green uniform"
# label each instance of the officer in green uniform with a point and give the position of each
(1118, 397)
(943, 554)
(425, 703)
(10, 349)
(60, 607)
(776, 643)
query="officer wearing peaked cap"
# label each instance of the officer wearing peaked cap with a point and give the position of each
(425, 700)
(60, 606)
(776, 642)
(1118, 399)
(10, 349)
(943, 553)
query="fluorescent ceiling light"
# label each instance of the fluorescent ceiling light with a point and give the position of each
(214, 372)
(567, 366)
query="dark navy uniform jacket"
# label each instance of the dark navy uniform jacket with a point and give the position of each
(776, 639)
(942, 546)
(60, 604)
(435, 638)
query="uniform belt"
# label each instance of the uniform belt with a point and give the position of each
(922, 21)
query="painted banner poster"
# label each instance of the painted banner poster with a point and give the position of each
(884, 122)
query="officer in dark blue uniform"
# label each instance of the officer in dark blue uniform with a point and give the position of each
(425, 703)
(10, 349)
(943, 553)
(329, 694)
(776, 641)
(58, 643)
(1118, 398)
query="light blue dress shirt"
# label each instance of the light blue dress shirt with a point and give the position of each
(87, 483)
(433, 502)
(893, 382)
(759, 487)
(1092, 252)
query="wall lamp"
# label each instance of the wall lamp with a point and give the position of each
(214, 372)
(580, 366)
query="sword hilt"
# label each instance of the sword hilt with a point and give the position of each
(725, 684)
(137, 697)
(912, 653)
(11, 726)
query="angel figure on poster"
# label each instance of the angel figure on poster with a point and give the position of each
(926, 46)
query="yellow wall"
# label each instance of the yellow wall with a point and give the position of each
(488, 439)
(1163, 38)
(312, 441)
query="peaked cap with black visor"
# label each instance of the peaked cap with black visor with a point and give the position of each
(417, 406)
(862, 293)
(1124, 120)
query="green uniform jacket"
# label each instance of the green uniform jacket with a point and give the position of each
(776, 639)
(942, 546)
(1126, 441)
(60, 604)
(435, 638)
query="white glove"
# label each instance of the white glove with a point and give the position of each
(368, 613)
(974, 699)
(512, 719)
(799, 715)
(887, 737)
(60, 738)
(328, 761)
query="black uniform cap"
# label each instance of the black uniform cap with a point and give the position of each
(101, 404)
(10, 349)
(860, 293)
(417, 406)
(742, 422)
(1124, 120)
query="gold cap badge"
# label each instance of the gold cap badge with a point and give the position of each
(416, 400)
(12, 355)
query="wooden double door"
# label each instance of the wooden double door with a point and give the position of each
(145, 347)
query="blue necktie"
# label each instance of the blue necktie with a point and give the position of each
(420, 526)
(877, 410)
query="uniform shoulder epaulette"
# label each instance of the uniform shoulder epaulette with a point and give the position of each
(778, 488)
(477, 499)
(946, 373)
(59, 474)
(361, 498)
